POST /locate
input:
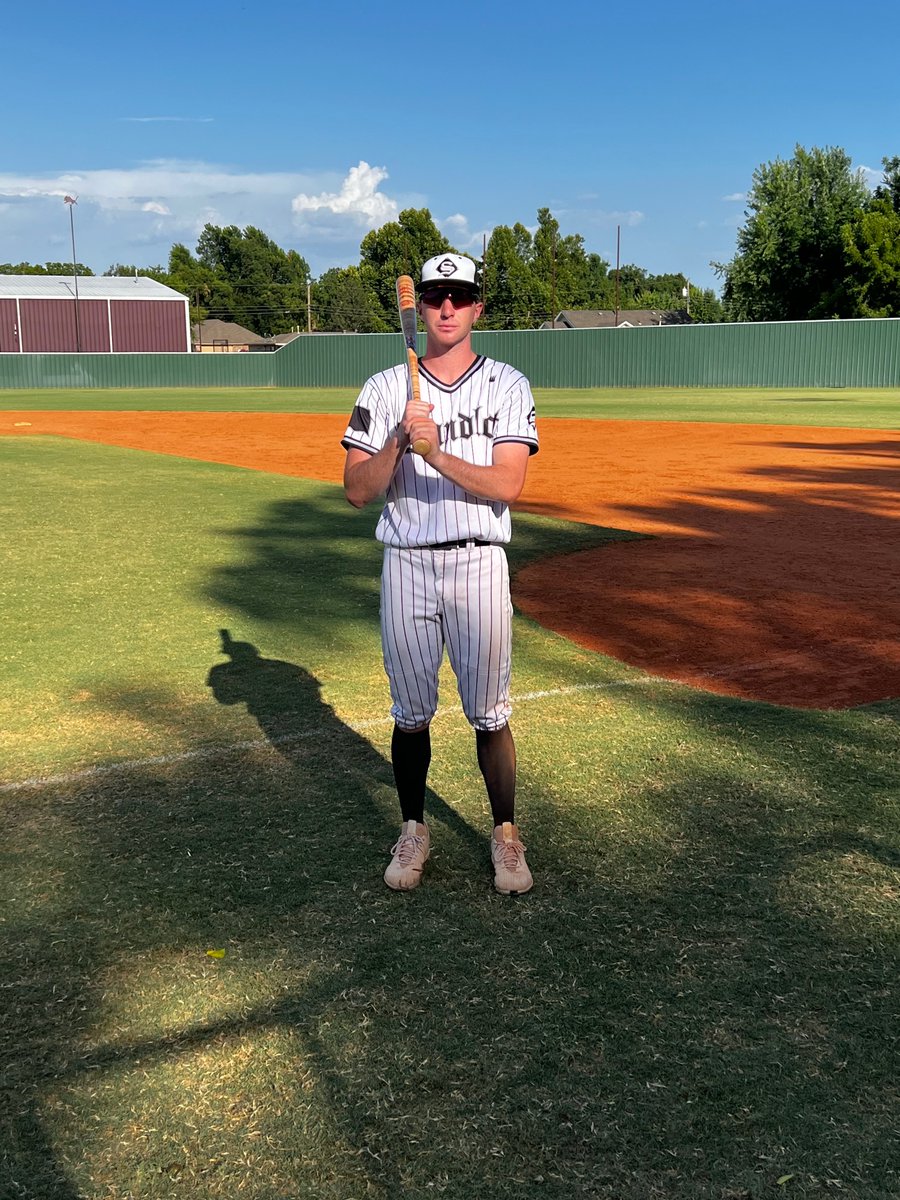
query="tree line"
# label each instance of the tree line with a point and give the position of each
(242, 275)
(815, 242)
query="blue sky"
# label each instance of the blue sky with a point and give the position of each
(318, 122)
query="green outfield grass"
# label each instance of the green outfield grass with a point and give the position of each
(697, 1001)
(855, 408)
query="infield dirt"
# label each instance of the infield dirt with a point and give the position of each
(771, 573)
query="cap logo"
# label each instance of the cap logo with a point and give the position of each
(447, 267)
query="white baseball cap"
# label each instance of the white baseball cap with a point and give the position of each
(454, 269)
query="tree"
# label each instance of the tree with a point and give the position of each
(256, 283)
(565, 274)
(630, 287)
(597, 290)
(790, 263)
(889, 188)
(513, 299)
(398, 248)
(872, 247)
(198, 282)
(119, 270)
(529, 279)
(342, 303)
(50, 268)
(706, 307)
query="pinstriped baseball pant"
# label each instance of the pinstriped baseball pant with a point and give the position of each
(454, 598)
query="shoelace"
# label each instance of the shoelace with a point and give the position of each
(510, 854)
(406, 847)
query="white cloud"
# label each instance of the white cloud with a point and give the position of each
(358, 198)
(172, 179)
(735, 197)
(632, 218)
(176, 120)
(456, 230)
(135, 213)
(579, 218)
(872, 176)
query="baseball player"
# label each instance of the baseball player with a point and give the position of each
(445, 582)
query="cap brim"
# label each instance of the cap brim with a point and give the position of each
(460, 285)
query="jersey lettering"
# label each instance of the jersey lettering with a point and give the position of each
(465, 427)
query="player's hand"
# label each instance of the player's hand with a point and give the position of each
(416, 410)
(423, 429)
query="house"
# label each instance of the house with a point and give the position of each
(226, 337)
(633, 318)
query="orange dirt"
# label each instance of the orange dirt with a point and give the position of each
(772, 573)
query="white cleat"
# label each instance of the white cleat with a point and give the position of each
(410, 853)
(511, 874)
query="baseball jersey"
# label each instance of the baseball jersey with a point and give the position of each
(489, 404)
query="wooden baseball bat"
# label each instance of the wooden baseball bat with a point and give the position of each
(406, 302)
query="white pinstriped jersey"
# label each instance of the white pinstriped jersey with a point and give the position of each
(489, 404)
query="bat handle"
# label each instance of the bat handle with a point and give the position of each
(421, 446)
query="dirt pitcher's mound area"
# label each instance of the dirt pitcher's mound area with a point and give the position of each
(773, 573)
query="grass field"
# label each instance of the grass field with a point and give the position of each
(697, 1002)
(860, 408)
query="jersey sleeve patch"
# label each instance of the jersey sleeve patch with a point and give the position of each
(360, 419)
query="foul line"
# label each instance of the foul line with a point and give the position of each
(168, 760)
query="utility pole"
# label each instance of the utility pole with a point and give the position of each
(72, 201)
(618, 248)
(309, 307)
(553, 282)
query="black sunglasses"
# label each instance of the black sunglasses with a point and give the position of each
(435, 297)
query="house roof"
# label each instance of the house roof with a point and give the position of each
(214, 330)
(601, 318)
(90, 287)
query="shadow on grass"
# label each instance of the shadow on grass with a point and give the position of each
(693, 1003)
(691, 1011)
(262, 852)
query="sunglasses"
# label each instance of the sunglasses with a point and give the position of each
(435, 297)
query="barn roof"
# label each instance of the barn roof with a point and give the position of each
(90, 287)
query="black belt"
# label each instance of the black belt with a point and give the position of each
(457, 545)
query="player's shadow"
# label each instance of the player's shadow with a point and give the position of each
(280, 696)
(286, 702)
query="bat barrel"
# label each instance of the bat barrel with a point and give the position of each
(406, 292)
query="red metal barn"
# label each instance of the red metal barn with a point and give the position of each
(41, 314)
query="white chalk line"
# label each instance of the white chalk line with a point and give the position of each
(183, 756)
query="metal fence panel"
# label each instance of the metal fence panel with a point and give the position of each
(338, 359)
(137, 370)
(863, 353)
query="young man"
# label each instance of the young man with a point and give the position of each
(445, 581)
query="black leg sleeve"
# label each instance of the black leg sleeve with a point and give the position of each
(411, 758)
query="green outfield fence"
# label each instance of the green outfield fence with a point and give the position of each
(864, 353)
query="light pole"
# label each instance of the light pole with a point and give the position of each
(72, 201)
